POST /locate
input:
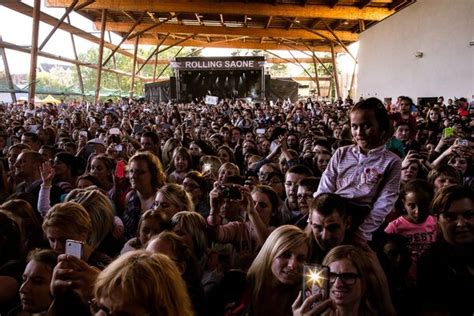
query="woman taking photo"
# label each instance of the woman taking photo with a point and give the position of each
(146, 177)
(356, 287)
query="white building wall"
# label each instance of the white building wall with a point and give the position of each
(442, 30)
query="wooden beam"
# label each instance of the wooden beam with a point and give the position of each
(114, 61)
(269, 22)
(363, 3)
(336, 79)
(361, 26)
(316, 75)
(233, 44)
(60, 21)
(25, 50)
(166, 67)
(340, 42)
(7, 72)
(27, 10)
(149, 28)
(134, 64)
(83, 5)
(299, 64)
(78, 68)
(238, 8)
(124, 38)
(155, 52)
(313, 54)
(221, 16)
(101, 54)
(34, 51)
(236, 31)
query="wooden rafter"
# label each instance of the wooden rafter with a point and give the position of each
(124, 38)
(149, 28)
(7, 72)
(101, 54)
(269, 22)
(238, 8)
(34, 50)
(363, 3)
(84, 5)
(237, 31)
(234, 44)
(60, 21)
(27, 10)
(63, 59)
(221, 16)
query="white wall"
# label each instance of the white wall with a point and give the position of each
(442, 30)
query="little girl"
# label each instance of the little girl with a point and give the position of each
(151, 223)
(367, 174)
(416, 225)
(181, 164)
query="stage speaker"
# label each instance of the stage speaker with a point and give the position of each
(173, 88)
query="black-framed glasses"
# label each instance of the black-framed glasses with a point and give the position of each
(348, 278)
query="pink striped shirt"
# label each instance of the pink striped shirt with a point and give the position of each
(372, 179)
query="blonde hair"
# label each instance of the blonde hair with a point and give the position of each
(280, 240)
(176, 194)
(100, 210)
(163, 293)
(70, 217)
(195, 225)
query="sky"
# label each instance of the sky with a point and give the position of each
(17, 28)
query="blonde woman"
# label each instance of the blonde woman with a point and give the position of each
(171, 199)
(100, 209)
(70, 220)
(274, 278)
(120, 289)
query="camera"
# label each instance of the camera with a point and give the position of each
(229, 192)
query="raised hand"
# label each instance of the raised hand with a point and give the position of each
(47, 173)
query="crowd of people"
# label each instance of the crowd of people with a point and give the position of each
(134, 208)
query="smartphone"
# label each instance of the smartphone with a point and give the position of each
(118, 147)
(260, 131)
(315, 281)
(463, 142)
(231, 192)
(114, 131)
(74, 248)
(120, 169)
(448, 132)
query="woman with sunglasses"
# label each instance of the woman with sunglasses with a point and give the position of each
(355, 287)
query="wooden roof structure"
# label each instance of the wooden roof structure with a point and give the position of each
(309, 26)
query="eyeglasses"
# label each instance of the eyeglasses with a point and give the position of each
(451, 217)
(348, 278)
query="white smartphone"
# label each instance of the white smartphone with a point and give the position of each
(74, 248)
(114, 131)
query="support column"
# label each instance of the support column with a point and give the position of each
(316, 75)
(101, 55)
(78, 68)
(336, 80)
(34, 51)
(132, 84)
(7, 73)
